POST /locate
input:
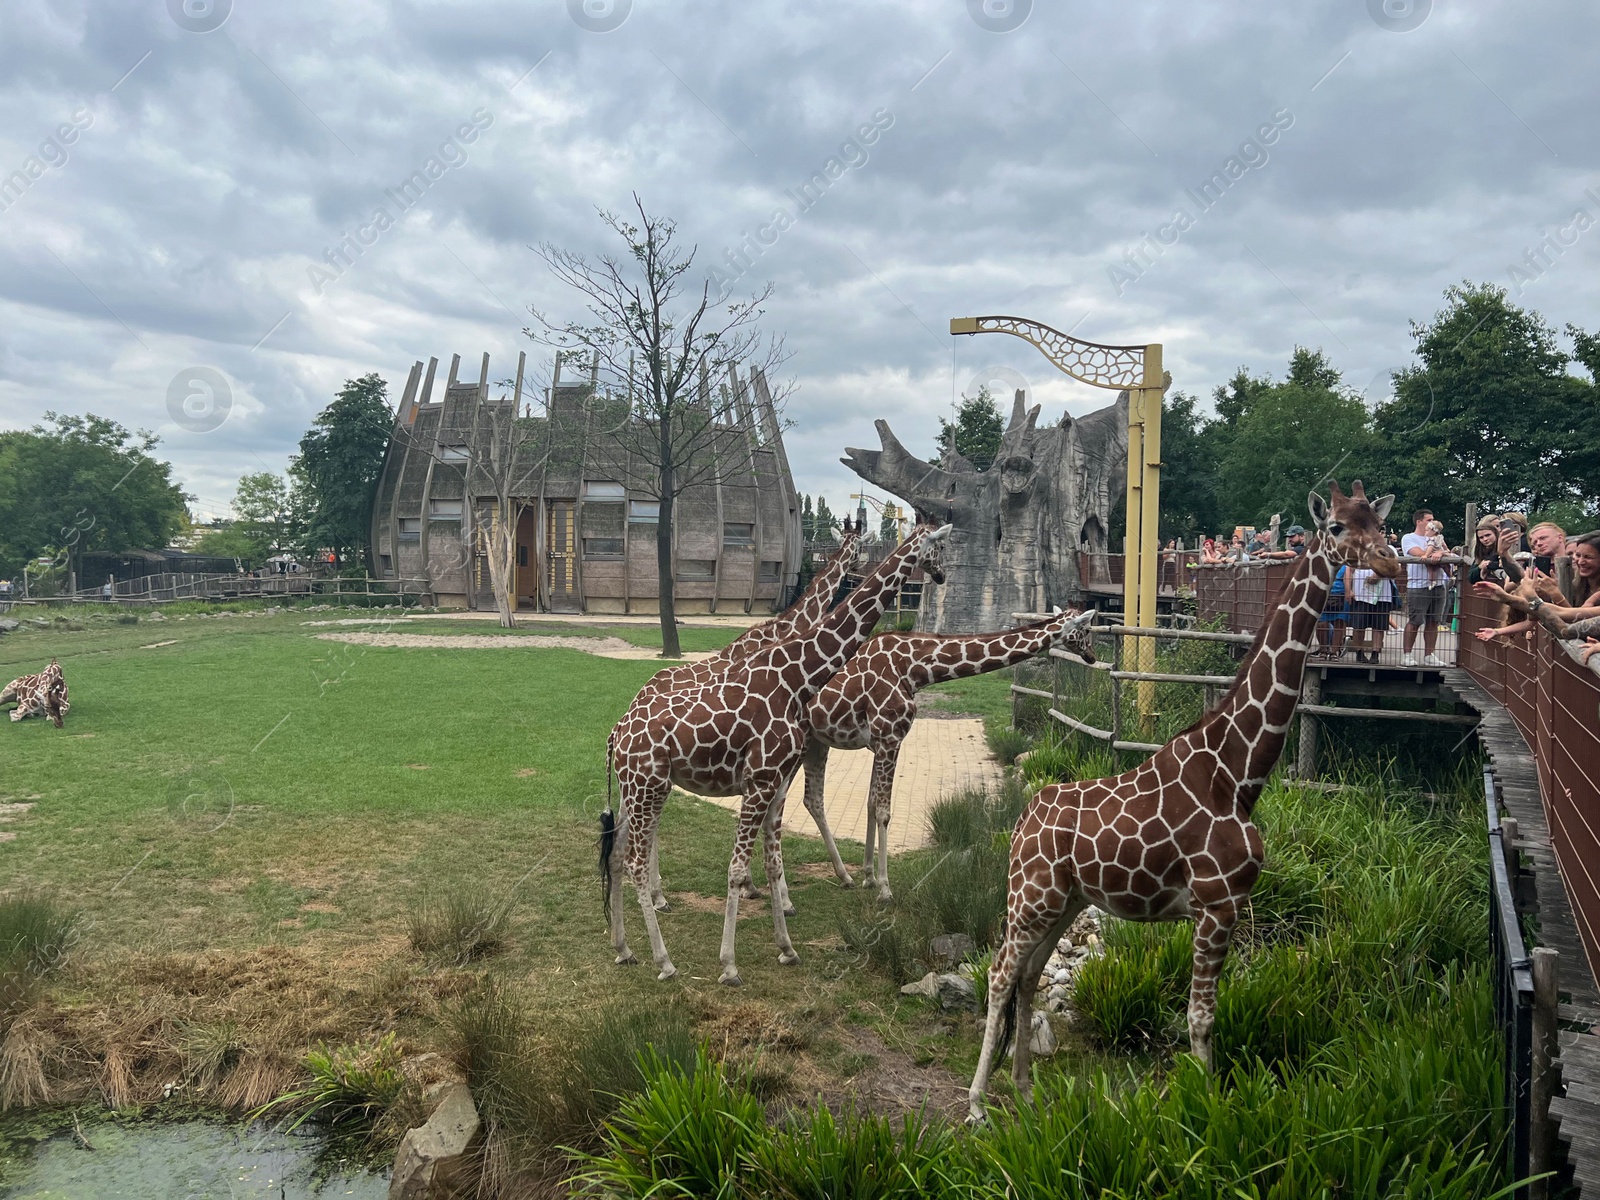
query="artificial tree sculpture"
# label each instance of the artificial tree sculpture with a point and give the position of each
(1018, 526)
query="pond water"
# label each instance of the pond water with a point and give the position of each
(191, 1160)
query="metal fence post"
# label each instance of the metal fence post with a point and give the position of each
(1305, 766)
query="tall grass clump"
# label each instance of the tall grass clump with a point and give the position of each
(539, 1095)
(458, 925)
(36, 935)
(350, 1085)
(1005, 744)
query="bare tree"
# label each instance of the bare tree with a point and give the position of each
(652, 332)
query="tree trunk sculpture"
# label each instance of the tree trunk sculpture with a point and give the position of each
(1018, 525)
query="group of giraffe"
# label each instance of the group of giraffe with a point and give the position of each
(1170, 839)
(39, 695)
(742, 723)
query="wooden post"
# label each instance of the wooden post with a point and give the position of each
(1310, 726)
(1508, 835)
(1546, 1049)
(1116, 689)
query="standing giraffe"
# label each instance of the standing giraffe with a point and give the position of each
(873, 701)
(741, 734)
(812, 605)
(1172, 838)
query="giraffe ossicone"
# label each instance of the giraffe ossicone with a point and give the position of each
(1173, 838)
(740, 734)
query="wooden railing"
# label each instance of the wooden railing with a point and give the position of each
(1555, 701)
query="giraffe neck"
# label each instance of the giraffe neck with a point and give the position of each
(1257, 710)
(943, 658)
(815, 601)
(831, 644)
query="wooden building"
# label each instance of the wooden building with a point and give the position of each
(586, 531)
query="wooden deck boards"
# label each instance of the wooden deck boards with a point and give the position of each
(1578, 1110)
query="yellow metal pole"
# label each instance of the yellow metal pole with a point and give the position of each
(1133, 510)
(1150, 521)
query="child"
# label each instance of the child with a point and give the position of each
(1436, 537)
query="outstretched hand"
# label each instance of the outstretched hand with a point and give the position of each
(1493, 591)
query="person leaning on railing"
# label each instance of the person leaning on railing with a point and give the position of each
(1565, 621)
(1486, 550)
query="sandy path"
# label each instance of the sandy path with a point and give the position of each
(604, 647)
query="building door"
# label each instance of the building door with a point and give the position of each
(562, 556)
(528, 557)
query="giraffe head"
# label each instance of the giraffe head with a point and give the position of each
(1072, 634)
(1352, 528)
(928, 552)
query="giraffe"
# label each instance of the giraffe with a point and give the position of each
(873, 701)
(743, 734)
(812, 605)
(1172, 838)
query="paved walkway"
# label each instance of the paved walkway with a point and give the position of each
(941, 756)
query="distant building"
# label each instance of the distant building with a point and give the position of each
(586, 538)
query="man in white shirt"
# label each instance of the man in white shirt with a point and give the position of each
(1425, 591)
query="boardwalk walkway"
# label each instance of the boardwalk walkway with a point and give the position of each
(1578, 1111)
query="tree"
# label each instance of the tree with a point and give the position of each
(826, 524)
(1491, 414)
(1188, 471)
(808, 520)
(976, 433)
(266, 508)
(649, 330)
(234, 541)
(337, 470)
(82, 483)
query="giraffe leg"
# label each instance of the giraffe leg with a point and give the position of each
(772, 834)
(884, 759)
(781, 908)
(816, 777)
(744, 838)
(658, 898)
(644, 821)
(1024, 930)
(1027, 986)
(1213, 929)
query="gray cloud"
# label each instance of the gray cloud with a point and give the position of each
(1020, 166)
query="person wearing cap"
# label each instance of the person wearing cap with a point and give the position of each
(1425, 588)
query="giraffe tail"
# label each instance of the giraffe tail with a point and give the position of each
(608, 826)
(1011, 1006)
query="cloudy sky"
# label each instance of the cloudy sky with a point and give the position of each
(186, 165)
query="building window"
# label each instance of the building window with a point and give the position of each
(602, 547)
(453, 454)
(770, 572)
(697, 570)
(738, 533)
(644, 512)
(522, 555)
(410, 529)
(596, 489)
(384, 564)
(444, 510)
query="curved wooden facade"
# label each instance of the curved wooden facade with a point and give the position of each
(586, 539)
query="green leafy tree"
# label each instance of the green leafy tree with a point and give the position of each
(1189, 507)
(266, 507)
(826, 525)
(233, 541)
(1491, 414)
(83, 483)
(337, 469)
(977, 430)
(808, 519)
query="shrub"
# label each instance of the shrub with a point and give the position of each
(1006, 744)
(458, 926)
(964, 892)
(861, 1155)
(891, 942)
(352, 1084)
(1132, 997)
(688, 1134)
(960, 820)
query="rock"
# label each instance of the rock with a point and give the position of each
(953, 993)
(154, 615)
(1062, 976)
(1022, 758)
(7, 624)
(1042, 1041)
(951, 947)
(434, 1155)
(957, 993)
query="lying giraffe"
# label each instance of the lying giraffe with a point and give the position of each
(40, 695)
(1172, 838)
(812, 605)
(741, 734)
(873, 701)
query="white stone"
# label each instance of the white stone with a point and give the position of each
(1042, 1042)
(432, 1154)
